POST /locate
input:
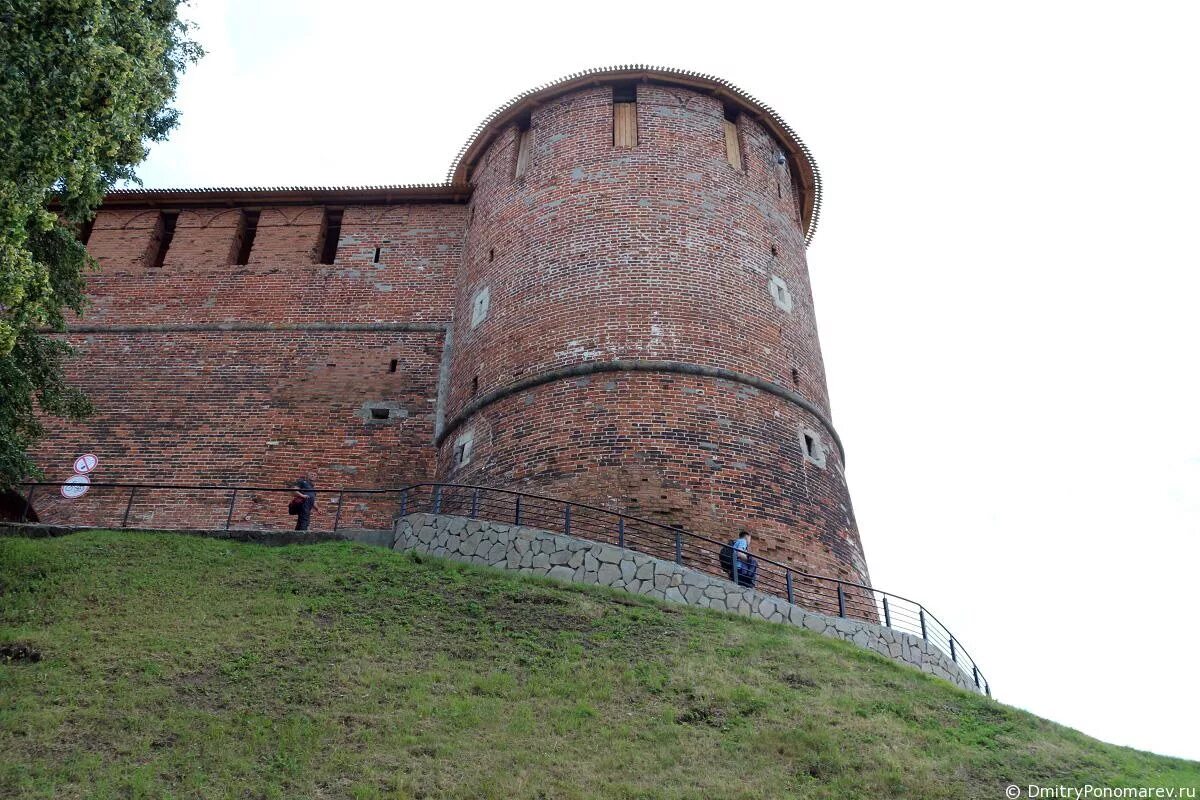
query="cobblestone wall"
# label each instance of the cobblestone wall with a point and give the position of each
(538, 552)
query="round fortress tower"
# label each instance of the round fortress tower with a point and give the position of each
(634, 325)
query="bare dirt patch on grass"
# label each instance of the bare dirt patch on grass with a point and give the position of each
(19, 653)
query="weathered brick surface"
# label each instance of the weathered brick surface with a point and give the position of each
(413, 281)
(251, 408)
(713, 456)
(662, 252)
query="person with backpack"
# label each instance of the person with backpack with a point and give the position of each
(739, 550)
(302, 503)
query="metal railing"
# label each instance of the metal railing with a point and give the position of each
(823, 594)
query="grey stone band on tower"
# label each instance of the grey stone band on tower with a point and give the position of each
(628, 365)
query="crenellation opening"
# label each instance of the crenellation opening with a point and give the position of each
(166, 224)
(84, 233)
(247, 230)
(331, 232)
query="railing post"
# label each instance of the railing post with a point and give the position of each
(567, 519)
(841, 601)
(788, 575)
(28, 502)
(229, 516)
(975, 675)
(517, 512)
(621, 532)
(678, 546)
(129, 505)
(337, 516)
(987, 687)
(437, 499)
(887, 613)
(474, 503)
(924, 633)
(403, 502)
(953, 652)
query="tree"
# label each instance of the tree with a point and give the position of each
(84, 86)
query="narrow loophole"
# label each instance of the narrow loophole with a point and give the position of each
(396, 362)
(376, 255)
(380, 413)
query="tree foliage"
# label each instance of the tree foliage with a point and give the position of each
(84, 86)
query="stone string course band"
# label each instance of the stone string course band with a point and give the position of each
(626, 365)
(537, 552)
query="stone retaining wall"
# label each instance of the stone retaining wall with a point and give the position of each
(538, 552)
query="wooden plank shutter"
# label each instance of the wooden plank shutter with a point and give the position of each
(625, 124)
(524, 145)
(732, 150)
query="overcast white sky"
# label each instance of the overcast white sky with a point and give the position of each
(1005, 274)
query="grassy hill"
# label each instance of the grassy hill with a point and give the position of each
(174, 666)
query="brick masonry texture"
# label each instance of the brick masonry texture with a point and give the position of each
(537, 552)
(662, 252)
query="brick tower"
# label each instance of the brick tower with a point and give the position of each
(634, 324)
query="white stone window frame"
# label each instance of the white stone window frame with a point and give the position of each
(781, 295)
(464, 447)
(812, 448)
(481, 304)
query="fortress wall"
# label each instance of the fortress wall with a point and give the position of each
(413, 281)
(670, 253)
(252, 408)
(282, 389)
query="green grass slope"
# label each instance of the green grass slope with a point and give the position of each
(175, 666)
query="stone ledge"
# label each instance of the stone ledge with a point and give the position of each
(538, 552)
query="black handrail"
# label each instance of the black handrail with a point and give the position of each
(696, 550)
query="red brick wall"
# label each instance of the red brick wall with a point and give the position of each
(251, 408)
(662, 252)
(713, 456)
(238, 406)
(413, 281)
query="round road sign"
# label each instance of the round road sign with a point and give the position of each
(76, 486)
(85, 464)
